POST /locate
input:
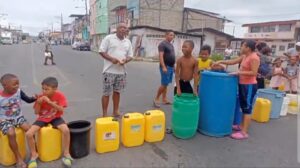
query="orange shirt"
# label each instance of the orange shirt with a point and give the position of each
(246, 66)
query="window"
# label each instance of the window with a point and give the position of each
(273, 48)
(282, 48)
(269, 29)
(255, 29)
(291, 45)
(285, 27)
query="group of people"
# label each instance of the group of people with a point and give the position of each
(116, 50)
(285, 71)
(49, 108)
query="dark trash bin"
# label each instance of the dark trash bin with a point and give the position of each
(80, 138)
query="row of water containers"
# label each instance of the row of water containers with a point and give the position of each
(217, 108)
(136, 128)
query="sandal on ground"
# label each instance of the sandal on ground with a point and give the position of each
(169, 131)
(156, 104)
(236, 128)
(117, 116)
(167, 102)
(32, 163)
(239, 135)
(67, 161)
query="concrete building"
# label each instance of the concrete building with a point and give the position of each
(218, 40)
(66, 33)
(163, 14)
(279, 35)
(104, 18)
(145, 41)
(93, 20)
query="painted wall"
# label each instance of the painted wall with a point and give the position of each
(150, 40)
(102, 24)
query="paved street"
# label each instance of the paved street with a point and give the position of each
(79, 73)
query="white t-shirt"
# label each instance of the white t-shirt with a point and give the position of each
(116, 48)
(228, 52)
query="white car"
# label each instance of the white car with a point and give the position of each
(8, 41)
(76, 45)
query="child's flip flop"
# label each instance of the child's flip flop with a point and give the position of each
(32, 164)
(239, 135)
(67, 161)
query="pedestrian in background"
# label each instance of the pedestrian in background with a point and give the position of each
(48, 52)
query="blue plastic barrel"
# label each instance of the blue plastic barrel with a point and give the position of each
(218, 102)
(276, 98)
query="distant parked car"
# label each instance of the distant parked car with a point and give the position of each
(75, 45)
(84, 46)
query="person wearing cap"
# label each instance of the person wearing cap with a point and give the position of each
(291, 52)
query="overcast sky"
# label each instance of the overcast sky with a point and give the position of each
(37, 15)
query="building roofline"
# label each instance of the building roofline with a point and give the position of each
(207, 13)
(164, 30)
(270, 23)
(212, 31)
(77, 15)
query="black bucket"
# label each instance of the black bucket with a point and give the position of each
(80, 138)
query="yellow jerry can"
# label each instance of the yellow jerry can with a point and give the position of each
(133, 129)
(107, 134)
(7, 157)
(49, 144)
(154, 126)
(262, 110)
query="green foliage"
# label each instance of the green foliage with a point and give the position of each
(216, 57)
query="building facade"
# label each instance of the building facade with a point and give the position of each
(279, 35)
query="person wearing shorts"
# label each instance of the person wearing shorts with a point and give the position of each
(50, 107)
(11, 115)
(249, 64)
(166, 67)
(116, 50)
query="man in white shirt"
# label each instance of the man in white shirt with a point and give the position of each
(228, 53)
(116, 50)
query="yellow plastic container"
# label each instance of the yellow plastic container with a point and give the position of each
(262, 110)
(107, 135)
(133, 129)
(154, 126)
(49, 144)
(7, 157)
(294, 103)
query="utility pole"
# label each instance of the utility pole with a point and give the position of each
(233, 31)
(61, 27)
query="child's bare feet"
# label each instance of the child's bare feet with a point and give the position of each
(21, 164)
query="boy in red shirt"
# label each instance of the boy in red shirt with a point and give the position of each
(50, 107)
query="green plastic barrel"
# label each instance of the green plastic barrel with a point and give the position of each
(185, 115)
